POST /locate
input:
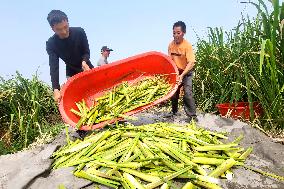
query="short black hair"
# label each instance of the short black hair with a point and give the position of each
(180, 24)
(55, 17)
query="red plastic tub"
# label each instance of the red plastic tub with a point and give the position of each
(91, 84)
(239, 110)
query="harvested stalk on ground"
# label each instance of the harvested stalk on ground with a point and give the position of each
(149, 156)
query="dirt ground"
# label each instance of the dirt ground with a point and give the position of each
(32, 168)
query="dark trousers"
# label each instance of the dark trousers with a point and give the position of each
(188, 100)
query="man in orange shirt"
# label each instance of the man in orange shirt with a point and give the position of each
(181, 52)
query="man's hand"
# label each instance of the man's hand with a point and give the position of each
(85, 66)
(180, 78)
(187, 69)
(57, 95)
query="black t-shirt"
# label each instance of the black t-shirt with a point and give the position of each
(72, 50)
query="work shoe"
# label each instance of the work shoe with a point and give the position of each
(82, 134)
(122, 122)
(171, 114)
(192, 118)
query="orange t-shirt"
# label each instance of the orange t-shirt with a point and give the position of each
(181, 53)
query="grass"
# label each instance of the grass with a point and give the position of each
(245, 64)
(27, 111)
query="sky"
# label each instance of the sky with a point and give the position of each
(129, 27)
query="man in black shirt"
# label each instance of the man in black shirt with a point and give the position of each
(68, 43)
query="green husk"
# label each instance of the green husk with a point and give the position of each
(153, 153)
(121, 99)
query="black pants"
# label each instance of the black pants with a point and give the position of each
(188, 100)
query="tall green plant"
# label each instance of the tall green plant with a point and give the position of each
(246, 64)
(26, 108)
(222, 62)
(271, 64)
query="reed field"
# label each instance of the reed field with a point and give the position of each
(27, 111)
(245, 64)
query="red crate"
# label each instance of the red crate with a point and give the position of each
(239, 109)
